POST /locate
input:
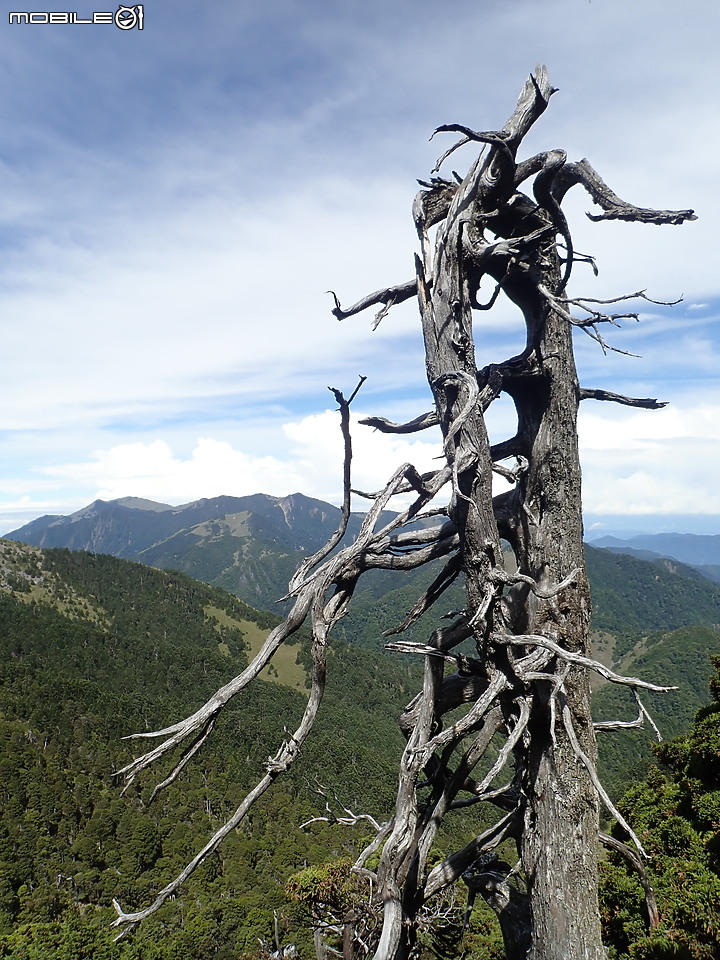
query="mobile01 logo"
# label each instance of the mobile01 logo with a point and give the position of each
(125, 18)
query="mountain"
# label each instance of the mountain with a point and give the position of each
(631, 595)
(93, 648)
(702, 552)
(251, 546)
(679, 658)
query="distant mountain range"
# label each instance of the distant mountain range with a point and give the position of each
(96, 646)
(695, 550)
(252, 545)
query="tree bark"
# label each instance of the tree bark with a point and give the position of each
(526, 682)
(560, 816)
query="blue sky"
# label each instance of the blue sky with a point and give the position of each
(175, 202)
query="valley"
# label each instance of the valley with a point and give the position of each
(104, 633)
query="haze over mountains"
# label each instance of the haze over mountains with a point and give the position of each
(699, 551)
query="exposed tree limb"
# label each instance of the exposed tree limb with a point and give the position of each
(639, 867)
(388, 296)
(578, 660)
(445, 578)
(615, 209)
(602, 792)
(348, 818)
(594, 393)
(422, 422)
(310, 562)
(451, 868)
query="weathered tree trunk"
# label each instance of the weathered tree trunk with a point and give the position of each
(560, 815)
(559, 838)
(544, 615)
(527, 678)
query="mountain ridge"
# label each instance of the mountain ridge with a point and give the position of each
(96, 647)
(252, 545)
(700, 551)
(249, 545)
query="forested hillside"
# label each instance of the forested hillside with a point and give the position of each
(676, 813)
(250, 545)
(93, 649)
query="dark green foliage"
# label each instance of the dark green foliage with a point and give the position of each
(631, 596)
(676, 813)
(106, 648)
(680, 659)
(111, 647)
(250, 546)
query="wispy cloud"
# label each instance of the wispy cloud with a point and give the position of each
(176, 202)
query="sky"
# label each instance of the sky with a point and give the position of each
(176, 201)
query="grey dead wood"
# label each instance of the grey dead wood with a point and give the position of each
(518, 655)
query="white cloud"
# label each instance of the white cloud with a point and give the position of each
(166, 252)
(153, 471)
(651, 462)
(312, 465)
(635, 462)
(376, 456)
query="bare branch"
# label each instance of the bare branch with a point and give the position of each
(349, 819)
(451, 869)
(445, 578)
(588, 325)
(132, 919)
(187, 756)
(420, 483)
(373, 846)
(603, 726)
(439, 805)
(453, 734)
(646, 715)
(388, 296)
(422, 422)
(310, 562)
(639, 867)
(198, 721)
(638, 295)
(496, 139)
(450, 150)
(525, 706)
(411, 539)
(282, 761)
(590, 767)
(594, 393)
(639, 722)
(615, 209)
(543, 593)
(578, 660)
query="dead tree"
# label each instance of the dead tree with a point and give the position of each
(524, 675)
